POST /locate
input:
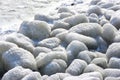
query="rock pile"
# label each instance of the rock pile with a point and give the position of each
(77, 46)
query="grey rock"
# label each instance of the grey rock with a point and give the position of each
(21, 40)
(65, 15)
(111, 72)
(36, 30)
(16, 73)
(58, 76)
(57, 31)
(109, 32)
(49, 42)
(46, 18)
(76, 67)
(88, 29)
(115, 7)
(114, 63)
(102, 62)
(84, 56)
(115, 19)
(112, 78)
(94, 2)
(61, 24)
(55, 66)
(95, 9)
(88, 41)
(19, 57)
(107, 5)
(64, 9)
(76, 19)
(38, 50)
(44, 59)
(113, 51)
(32, 76)
(92, 68)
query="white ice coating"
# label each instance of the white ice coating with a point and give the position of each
(13, 12)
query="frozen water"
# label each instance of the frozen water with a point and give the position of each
(13, 12)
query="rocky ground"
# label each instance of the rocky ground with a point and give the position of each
(73, 42)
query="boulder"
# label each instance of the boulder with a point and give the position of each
(76, 67)
(117, 38)
(65, 15)
(49, 42)
(87, 29)
(55, 66)
(92, 68)
(115, 7)
(108, 14)
(113, 51)
(58, 76)
(46, 18)
(112, 78)
(109, 32)
(61, 24)
(91, 54)
(114, 63)
(36, 30)
(84, 56)
(72, 78)
(109, 72)
(95, 9)
(19, 57)
(88, 41)
(4, 46)
(76, 19)
(102, 45)
(115, 19)
(93, 15)
(75, 47)
(93, 20)
(102, 62)
(96, 75)
(43, 59)
(21, 40)
(16, 73)
(94, 2)
(64, 9)
(39, 50)
(32, 76)
(57, 31)
(107, 5)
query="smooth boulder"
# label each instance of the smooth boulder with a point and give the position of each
(61, 24)
(21, 40)
(43, 59)
(114, 63)
(39, 50)
(19, 57)
(76, 67)
(95, 9)
(76, 19)
(16, 73)
(113, 51)
(88, 41)
(32, 76)
(49, 42)
(109, 32)
(55, 66)
(36, 30)
(87, 29)
(46, 18)
(115, 19)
